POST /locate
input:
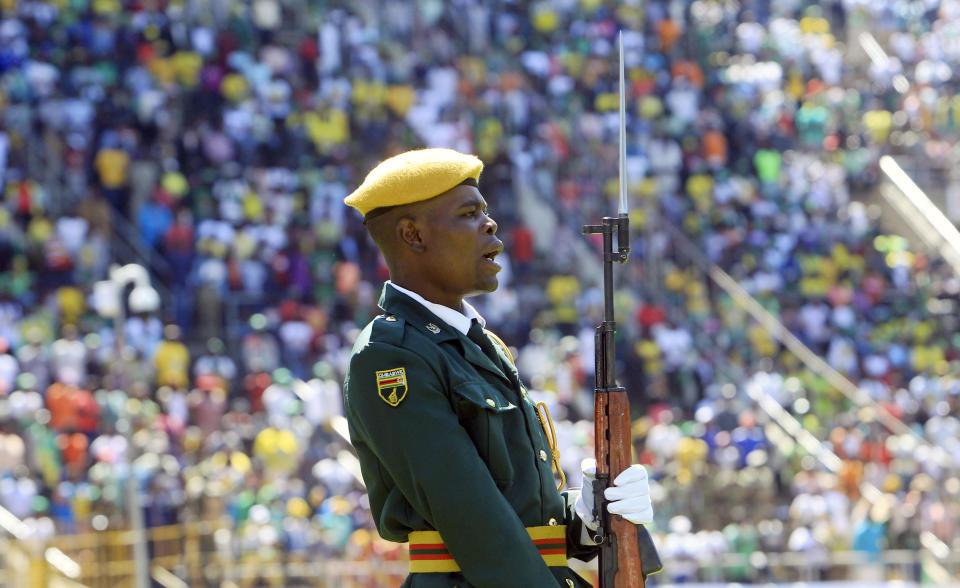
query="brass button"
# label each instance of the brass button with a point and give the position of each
(390, 319)
(543, 455)
(552, 522)
(570, 582)
(491, 402)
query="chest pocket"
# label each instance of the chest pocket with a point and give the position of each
(491, 421)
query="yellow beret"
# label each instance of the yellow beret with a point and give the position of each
(412, 177)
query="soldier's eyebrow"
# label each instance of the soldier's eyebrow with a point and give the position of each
(473, 201)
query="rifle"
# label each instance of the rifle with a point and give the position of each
(620, 561)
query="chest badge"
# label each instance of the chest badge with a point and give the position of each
(392, 385)
(433, 328)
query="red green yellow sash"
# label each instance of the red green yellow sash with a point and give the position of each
(428, 553)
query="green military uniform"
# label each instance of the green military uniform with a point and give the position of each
(448, 440)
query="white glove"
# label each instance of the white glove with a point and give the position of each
(629, 495)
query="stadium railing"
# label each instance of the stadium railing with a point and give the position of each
(926, 218)
(206, 554)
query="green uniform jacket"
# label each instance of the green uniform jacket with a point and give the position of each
(451, 443)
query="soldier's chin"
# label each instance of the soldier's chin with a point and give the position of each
(487, 286)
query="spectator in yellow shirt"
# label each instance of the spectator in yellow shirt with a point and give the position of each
(172, 359)
(112, 165)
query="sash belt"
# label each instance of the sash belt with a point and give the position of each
(428, 553)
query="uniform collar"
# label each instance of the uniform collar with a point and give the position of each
(410, 307)
(457, 320)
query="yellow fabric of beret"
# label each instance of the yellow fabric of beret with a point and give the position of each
(413, 176)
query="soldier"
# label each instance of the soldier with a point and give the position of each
(456, 457)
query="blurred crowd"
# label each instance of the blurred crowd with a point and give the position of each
(214, 142)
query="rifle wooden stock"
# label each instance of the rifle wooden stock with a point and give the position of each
(614, 453)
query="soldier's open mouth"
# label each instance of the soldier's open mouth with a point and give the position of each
(489, 257)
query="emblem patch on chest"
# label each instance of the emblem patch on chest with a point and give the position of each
(392, 385)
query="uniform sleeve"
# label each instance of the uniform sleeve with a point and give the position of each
(576, 546)
(424, 450)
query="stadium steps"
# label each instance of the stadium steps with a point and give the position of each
(126, 245)
(938, 555)
(683, 245)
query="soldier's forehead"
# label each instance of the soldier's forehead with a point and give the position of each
(463, 196)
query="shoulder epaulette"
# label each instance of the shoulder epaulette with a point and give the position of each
(387, 328)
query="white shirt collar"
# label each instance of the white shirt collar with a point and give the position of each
(457, 320)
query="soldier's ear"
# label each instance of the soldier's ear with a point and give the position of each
(409, 234)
